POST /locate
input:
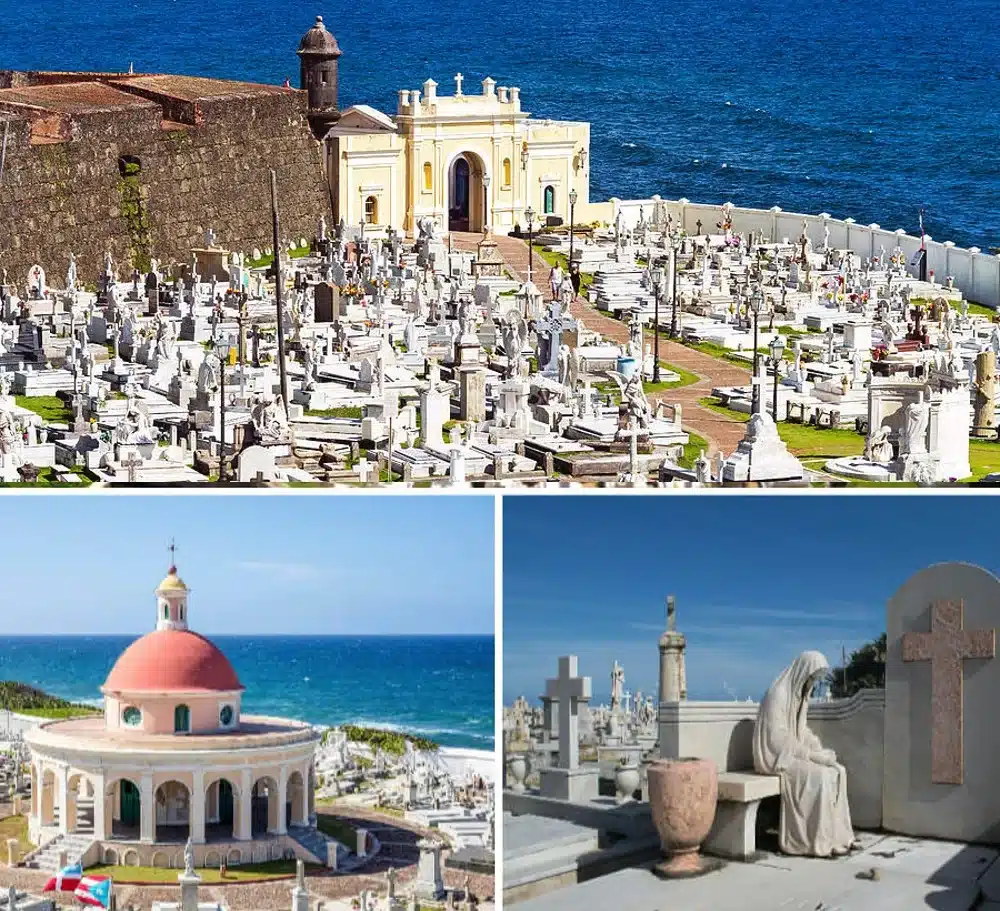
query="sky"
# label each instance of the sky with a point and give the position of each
(314, 564)
(758, 579)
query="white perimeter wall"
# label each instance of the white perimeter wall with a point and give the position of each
(977, 274)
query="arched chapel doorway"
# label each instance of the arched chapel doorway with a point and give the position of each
(466, 200)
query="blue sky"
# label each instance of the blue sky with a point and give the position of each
(255, 564)
(757, 579)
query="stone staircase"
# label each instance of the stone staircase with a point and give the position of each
(46, 858)
(314, 841)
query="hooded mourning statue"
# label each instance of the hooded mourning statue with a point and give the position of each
(815, 816)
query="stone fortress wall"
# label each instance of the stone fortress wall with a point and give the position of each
(976, 274)
(150, 178)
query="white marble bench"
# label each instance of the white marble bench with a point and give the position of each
(733, 833)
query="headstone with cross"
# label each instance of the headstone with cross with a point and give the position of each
(941, 741)
(552, 326)
(568, 780)
(132, 465)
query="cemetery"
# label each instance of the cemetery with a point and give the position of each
(171, 785)
(880, 800)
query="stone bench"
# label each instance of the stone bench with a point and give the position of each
(733, 833)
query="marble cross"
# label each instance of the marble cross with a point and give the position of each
(569, 690)
(946, 646)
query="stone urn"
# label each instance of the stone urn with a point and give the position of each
(627, 781)
(517, 771)
(682, 796)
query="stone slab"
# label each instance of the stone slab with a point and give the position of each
(990, 883)
(942, 863)
(744, 787)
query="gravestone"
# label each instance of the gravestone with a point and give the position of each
(327, 303)
(942, 685)
(568, 780)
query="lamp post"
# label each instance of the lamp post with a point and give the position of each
(529, 214)
(776, 348)
(756, 302)
(572, 210)
(486, 203)
(222, 350)
(674, 245)
(656, 275)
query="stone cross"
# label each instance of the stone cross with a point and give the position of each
(458, 84)
(671, 613)
(132, 465)
(552, 325)
(569, 690)
(946, 646)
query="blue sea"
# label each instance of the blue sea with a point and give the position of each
(863, 108)
(439, 687)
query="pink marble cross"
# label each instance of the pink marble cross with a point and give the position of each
(946, 646)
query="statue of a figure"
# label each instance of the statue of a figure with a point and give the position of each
(917, 415)
(563, 365)
(515, 334)
(135, 426)
(815, 816)
(617, 684)
(269, 421)
(878, 449)
(189, 858)
(309, 367)
(208, 380)
(9, 437)
(635, 406)
(6, 381)
(635, 338)
(71, 273)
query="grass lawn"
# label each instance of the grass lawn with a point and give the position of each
(49, 408)
(272, 869)
(68, 712)
(716, 406)
(692, 449)
(337, 828)
(984, 457)
(16, 827)
(47, 477)
(351, 411)
(686, 379)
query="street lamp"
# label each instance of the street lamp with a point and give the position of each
(529, 214)
(656, 276)
(486, 203)
(674, 245)
(572, 210)
(222, 347)
(756, 302)
(777, 348)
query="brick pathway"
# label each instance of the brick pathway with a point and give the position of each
(721, 432)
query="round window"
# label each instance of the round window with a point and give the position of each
(132, 716)
(226, 716)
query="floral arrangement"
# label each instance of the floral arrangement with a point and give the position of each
(351, 289)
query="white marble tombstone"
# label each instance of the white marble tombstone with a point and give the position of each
(942, 683)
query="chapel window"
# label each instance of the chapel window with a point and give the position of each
(506, 172)
(166, 612)
(550, 200)
(226, 716)
(132, 717)
(428, 176)
(371, 211)
(182, 719)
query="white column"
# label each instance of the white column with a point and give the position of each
(100, 805)
(197, 807)
(147, 809)
(243, 826)
(281, 829)
(62, 788)
(302, 811)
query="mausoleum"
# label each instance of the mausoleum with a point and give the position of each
(173, 756)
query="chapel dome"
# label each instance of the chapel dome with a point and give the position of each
(319, 41)
(172, 661)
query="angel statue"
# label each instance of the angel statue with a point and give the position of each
(634, 406)
(515, 335)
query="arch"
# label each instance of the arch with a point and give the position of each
(466, 202)
(295, 791)
(235, 857)
(371, 210)
(160, 859)
(130, 858)
(173, 812)
(123, 807)
(177, 861)
(223, 809)
(428, 176)
(80, 803)
(212, 859)
(549, 200)
(506, 173)
(264, 807)
(110, 857)
(182, 719)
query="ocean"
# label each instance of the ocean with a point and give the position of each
(860, 108)
(439, 687)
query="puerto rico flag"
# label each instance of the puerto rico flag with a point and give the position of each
(66, 880)
(94, 891)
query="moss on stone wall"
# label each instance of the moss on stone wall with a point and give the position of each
(132, 209)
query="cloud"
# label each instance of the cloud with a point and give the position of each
(284, 571)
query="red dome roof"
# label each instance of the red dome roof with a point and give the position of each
(172, 661)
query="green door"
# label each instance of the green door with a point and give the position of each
(130, 803)
(182, 719)
(225, 802)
